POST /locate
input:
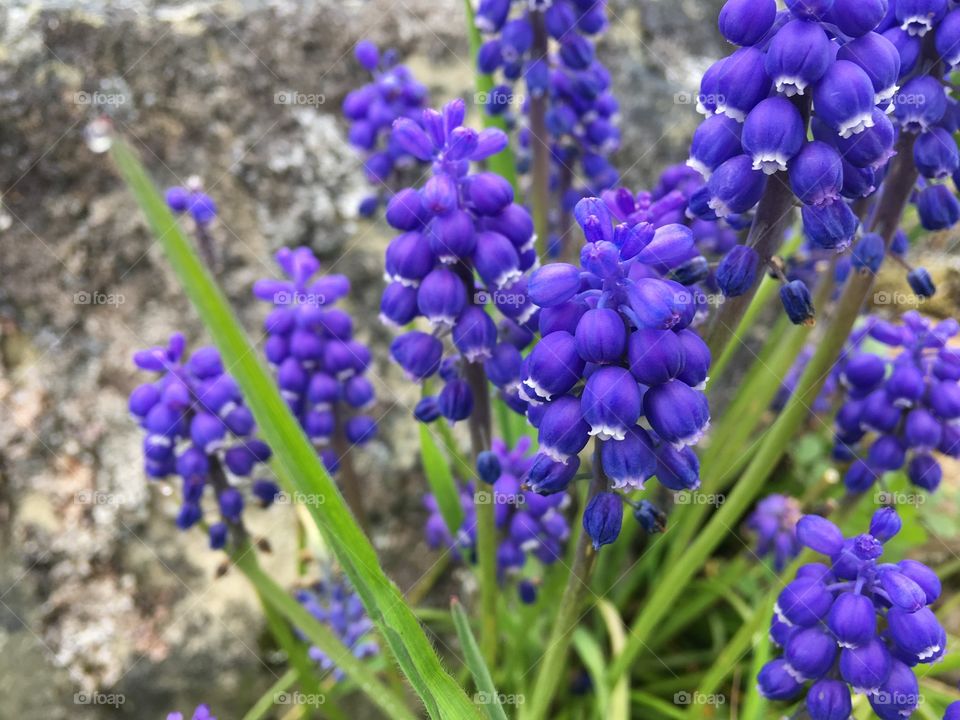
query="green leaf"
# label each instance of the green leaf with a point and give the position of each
(268, 700)
(490, 698)
(591, 654)
(299, 469)
(620, 695)
(440, 479)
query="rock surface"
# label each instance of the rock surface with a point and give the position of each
(98, 592)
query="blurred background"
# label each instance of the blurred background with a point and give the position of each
(98, 590)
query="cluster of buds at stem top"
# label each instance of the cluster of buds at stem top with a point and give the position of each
(550, 47)
(201, 713)
(464, 249)
(531, 526)
(197, 427)
(319, 365)
(859, 625)
(617, 362)
(371, 110)
(862, 65)
(334, 603)
(774, 521)
(191, 199)
(902, 406)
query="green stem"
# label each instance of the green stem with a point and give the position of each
(266, 702)
(480, 424)
(540, 142)
(568, 613)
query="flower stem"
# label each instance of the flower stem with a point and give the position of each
(350, 483)
(540, 142)
(893, 199)
(480, 424)
(568, 614)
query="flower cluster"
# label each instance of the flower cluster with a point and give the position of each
(464, 244)
(850, 57)
(859, 625)
(530, 524)
(319, 365)
(335, 604)
(201, 713)
(198, 428)
(775, 523)
(617, 360)
(550, 47)
(193, 201)
(908, 402)
(371, 109)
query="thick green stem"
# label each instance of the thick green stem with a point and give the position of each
(896, 192)
(480, 439)
(540, 142)
(568, 613)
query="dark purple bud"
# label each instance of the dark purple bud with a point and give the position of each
(948, 39)
(190, 514)
(735, 187)
(858, 182)
(696, 359)
(611, 403)
(879, 59)
(489, 193)
(885, 524)
(830, 226)
(857, 17)
(810, 653)
(906, 386)
(410, 136)
(737, 272)
(899, 696)
(746, 22)
(503, 365)
(938, 208)
(603, 518)
(678, 470)
(920, 104)
(576, 52)
(820, 535)
(935, 154)
(903, 592)
(547, 476)
(798, 302)
(886, 454)
(651, 518)
(776, 682)
(409, 258)
(921, 283)
(918, 17)
(773, 134)
(143, 398)
(816, 174)
(845, 99)
(218, 535)
(488, 467)
(553, 284)
(917, 634)
(367, 54)
(709, 96)
(866, 667)
(601, 336)
(178, 199)
(456, 400)
(924, 577)
(475, 334)
(714, 142)
(873, 147)
(417, 353)
(440, 194)
(202, 208)
(361, 429)
(489, 142)
(671, 245)
(677, 413)
(427, 409)
(692, 271)
(868, 253)
(742, 83)
(829, 700)
(452, 236)
(563, 433)
(852, 620)
(398, 306)
(496, 260)
(441, 297)
(319, 426)
(798, 56)
(553, 367)
(630, 462)
(231, 503)
(922, 431)
(655, 356)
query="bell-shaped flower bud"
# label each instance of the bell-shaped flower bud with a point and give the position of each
(917, 634)
(475, 334)
(798, 302)
(452, 236)
(651, 518)
(852, 620)
(866, 667)
(830, 226)
(948, 39)
(742, 83)
(455, 400)
(489, 193)
(920, 104)
(408, 259)
(829, 700)
(657, 304)
(441, 297)
(417, 353)
(819, 534)
(879, 59)
(547, 476)
(411, 137)
(855, 18)
(601, 336)
(906, 385)
(735, 187)
(810, 652)
(603, 518)
(553, 367)
(746, 22)
(935, 154)
(676, 412)
(776, 682)
(798, 56)
(630, 462)
(938, 208)
(887, 453)
(922, 576)
(405, 210)
(899, 696)
(868, 253)
(563, 432)
(488, 467)
(611, 403)
(921, 283)
(496, 260)
(903, 592)
(845, 99)
(872, 148)
(715, 141)
(737, 272)
(553, 284)
(922, 431)
(918, 17)
(773, 134)
(816, 174)
(655, 356)
(885, 524)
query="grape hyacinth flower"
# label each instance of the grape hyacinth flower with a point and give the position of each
(859, 625)
(617, 362)
(528, 524)
(901, 408)
(371, 110)
(319, 365)
(464, 243)
(192, 201)
(202, 712)
(775, 523)
(198, 428)
(333, 602)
